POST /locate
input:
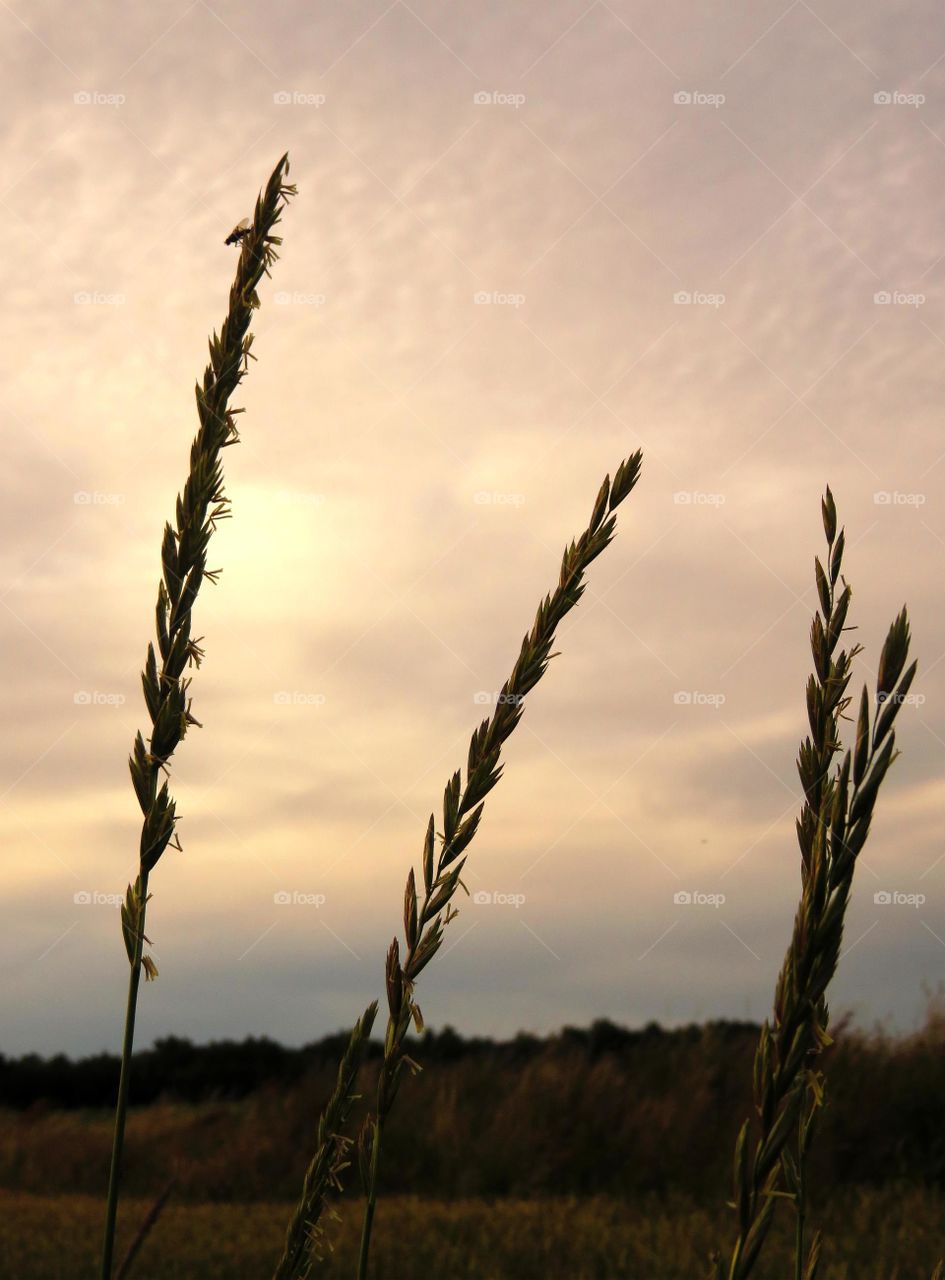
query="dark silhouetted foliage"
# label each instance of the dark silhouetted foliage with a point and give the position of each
(601, 1109)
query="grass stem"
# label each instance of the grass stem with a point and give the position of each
(832, 829)
(184, 562)
(121, 1107)
(426, 919)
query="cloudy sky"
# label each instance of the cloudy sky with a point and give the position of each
(528, 239)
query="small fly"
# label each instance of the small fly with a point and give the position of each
(239, 231)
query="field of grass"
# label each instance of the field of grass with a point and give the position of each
(880, 1235)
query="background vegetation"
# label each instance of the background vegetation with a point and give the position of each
(600, 1111)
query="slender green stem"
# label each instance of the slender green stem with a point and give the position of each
(799, 1235)
(144, 1230)
(369, 1208)
(323, 1176)
(121, 1107)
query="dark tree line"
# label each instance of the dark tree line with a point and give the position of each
(177, 1069)
(595, 1110)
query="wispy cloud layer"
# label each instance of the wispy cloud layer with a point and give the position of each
(523, 245)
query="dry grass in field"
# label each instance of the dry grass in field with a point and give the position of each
(591, 1238)
(556, 1118)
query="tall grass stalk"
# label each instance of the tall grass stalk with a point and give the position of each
(144, 1230)
(323, 1175)
(425, 920)
(184, 561)
(424, 923)
(831, 831)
